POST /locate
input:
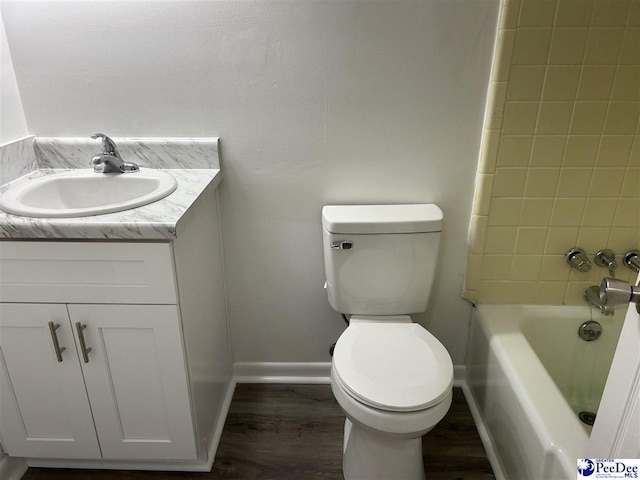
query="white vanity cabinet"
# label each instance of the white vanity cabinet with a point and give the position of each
(66, 367)
(103, 359)
(44, 408)
(134, 374)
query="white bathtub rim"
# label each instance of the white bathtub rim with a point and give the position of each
(566, 450)
(546, 382)
(555, 427)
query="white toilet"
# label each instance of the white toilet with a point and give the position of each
(392, 378)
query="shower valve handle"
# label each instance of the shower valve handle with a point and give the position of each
(617, 292)
(577, 258)
(632, 260)
(606, 258)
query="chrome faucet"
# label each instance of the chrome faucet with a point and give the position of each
(109, 160)
(617, 292)
(577, 258)
(592, 297)
(632, 260)
(606, 258)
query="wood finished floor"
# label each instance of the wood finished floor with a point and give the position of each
(294, 432)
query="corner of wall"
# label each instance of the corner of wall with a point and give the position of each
(12, 117)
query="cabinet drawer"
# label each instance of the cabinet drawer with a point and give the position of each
(86, 272)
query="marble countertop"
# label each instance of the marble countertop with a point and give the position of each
(155, 221)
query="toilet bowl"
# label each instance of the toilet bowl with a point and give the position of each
(393, 379)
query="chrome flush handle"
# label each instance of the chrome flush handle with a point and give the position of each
(342, 245)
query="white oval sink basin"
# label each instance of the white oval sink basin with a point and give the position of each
(81, 193)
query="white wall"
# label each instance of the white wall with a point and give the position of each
(13, 124)
(316, 102)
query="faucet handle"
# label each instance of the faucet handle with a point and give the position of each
(632, 260)
(577, 258)
(108, 145)
(606, 258)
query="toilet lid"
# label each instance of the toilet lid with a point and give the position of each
(394, 367)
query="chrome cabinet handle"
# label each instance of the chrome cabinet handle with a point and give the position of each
(54, 338)
(83, 345)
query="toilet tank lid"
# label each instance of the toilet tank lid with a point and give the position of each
(371, 219)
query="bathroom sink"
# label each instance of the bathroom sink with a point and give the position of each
(82, 193)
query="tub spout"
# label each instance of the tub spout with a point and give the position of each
(592, 297)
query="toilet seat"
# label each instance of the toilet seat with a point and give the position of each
(396, 367)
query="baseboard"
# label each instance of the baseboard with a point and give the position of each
(282, 372)
(194, 466)
(485, 435)
(303, 372)
(222, 418)
(12, 468)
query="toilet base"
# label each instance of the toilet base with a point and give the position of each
(369, 456)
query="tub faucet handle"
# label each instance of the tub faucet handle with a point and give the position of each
(632, 260)
(577, 258)
(606, 258)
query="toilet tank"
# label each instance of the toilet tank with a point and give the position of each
(380, 259)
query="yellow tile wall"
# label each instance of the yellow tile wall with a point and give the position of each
(560, 156)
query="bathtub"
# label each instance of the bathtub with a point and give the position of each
(529, 374)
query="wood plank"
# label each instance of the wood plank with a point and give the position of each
(453, 450)
(294, 432)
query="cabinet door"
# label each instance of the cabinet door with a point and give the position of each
(137, 381)
(44, 409)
